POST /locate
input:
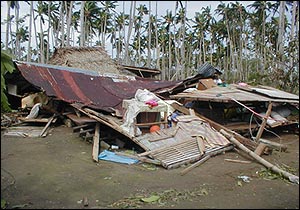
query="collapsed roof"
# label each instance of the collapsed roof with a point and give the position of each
(89, 88)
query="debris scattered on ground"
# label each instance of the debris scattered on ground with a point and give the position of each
(160, 199)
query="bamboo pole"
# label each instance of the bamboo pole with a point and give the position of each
(293, 178)
(264, 122)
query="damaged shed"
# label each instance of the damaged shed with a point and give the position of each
(101, 98)
(106, 97)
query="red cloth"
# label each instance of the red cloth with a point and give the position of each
(151, 103)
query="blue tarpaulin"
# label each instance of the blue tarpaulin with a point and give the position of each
(111, 156)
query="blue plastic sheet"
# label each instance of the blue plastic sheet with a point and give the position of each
(111, 156)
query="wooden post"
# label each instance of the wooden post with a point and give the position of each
(200, 145)
(96, 138)
(264, 122)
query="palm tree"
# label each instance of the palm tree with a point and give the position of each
(69, 22)
(41, 9)
(9, 18)
(109, 7)
(121, 22)
(180, 18)
(30, 28)
(138, 25)
(168, 22)
(82, 24)
(8, 22)
(225, 12)
(131, 21)
(149, 36)
(22, 35)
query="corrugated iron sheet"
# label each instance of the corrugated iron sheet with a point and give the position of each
(103, 92)
(231, 93)
(189, 127)
(207, 70)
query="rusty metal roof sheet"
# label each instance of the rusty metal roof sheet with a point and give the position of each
(89, 88)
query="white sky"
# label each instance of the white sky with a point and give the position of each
(163, 6)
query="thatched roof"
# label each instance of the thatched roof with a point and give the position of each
(88, 58)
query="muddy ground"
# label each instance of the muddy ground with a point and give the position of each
(57, 172)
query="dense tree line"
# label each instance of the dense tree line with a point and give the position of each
(257, 44)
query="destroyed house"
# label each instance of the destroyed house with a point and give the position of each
(133, 106)
(108, 99)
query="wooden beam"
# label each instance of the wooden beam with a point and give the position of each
(96, 139)
(237, 161)
(48, 124)
(195, 165)
(76, 128)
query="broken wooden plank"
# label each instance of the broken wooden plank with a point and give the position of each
(143, 159)
(38, 120)
(76, 128)
(48, 124)
(194, 165)
(238, 161)
(96, 144)
(200, 144)
(80, 120)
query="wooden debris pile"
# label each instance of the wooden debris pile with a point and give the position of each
(187, 142)
(19, 124)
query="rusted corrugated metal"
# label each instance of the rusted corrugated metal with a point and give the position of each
(103, 92)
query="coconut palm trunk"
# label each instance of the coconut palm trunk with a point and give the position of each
(8, 23)
(69, 23)
(30, 28)
(82, 25)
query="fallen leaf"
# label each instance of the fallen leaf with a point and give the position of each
(19, 206)
(150, 199)
(3, 204)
